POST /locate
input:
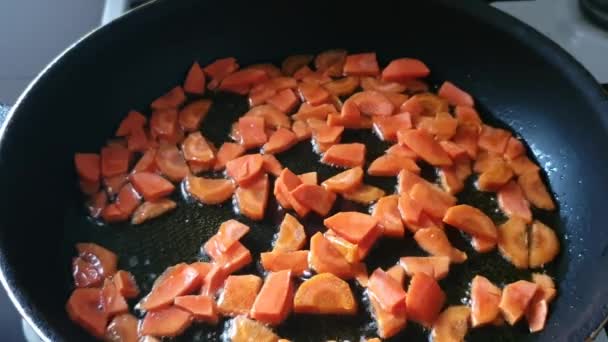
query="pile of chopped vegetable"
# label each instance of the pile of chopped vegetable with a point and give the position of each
(134, 175)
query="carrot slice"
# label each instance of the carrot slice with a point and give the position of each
(88, 166)
(114, 161)
(171, 163)
(425, 104)
(371, 102)
(455, 95)
(196, 148)
(107, 259)
(252, 199)
(402, 69)
(546, 287)
(88, 188)
(133, 120)
(285, 183)
(313, 94)
(272, 165)
(536, 315)
(291, 236)
(291, 64)
(432, 200)
(386, 211)
(285, 100)
(324, 257)
(239, 294)
(351, 225)
(361, 64)
(123, 328)
(175, 281)
(485, 297)
(544, 245)
(314, 197)
(435, 242)
(515, 300)
(467, 137)
(281, 140)
(147, 162)
(220, 69)
(167, 322)
(512, 202)
(242, 81)
(309, 178)
(450, 180)
(471, 221)
(112, 214)
(425, 146)
(320, 112)
(208, 190)
(275, 299)
(391, 165)
(452, 324)
(324, 134)
(444, 126)
(424, 299)
(245, 169)
(229, 233)
(360, 273)
(372, 83)
(386, 127)
(495, 176)
(201, 307)
(389, 324)
(227, 152)
(125, 284)
(83, 307)
(343, 86)
(535, 190)
(113, 184)
(493, 139)
(435, 266)
(296, 261)
(454, 150)
(251, 131)
(513, 242)
(138, 140)
(247, 330)
(259, 94)
(351, 252)
(396, 272)
(467, 115)
(301, 130)
(344, 181)
(195, 80)
(345, 155)
(214, 280)
(272, 116)
(112, 302)
(364, 194)
(331, 62)
(128, 199)
(171, 99)
(483, 245)
(387, 291)
(522, 164)
(514, 149)
(325, 294)
(163, 123)
(401, 150)
(149, 210)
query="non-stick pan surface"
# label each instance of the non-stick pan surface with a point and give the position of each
(519, 79)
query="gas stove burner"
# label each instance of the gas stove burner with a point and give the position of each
(596, 11)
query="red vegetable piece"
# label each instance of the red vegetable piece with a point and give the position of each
(313, 94)
(166, 322)
(151, 186)
(362, 64)
(325, 258)
(133, 120)
(387, 291)
(515, 300)
(114, 161)
(391, 165)
(493, 139)
(345, 155)
(195, 80)
(175, 281)
(172, 99)
(386, 211)
(294, 261)
(485, 298)
(403, 69)
(455, 95)
(425, 299)
(84, 309)
(229, 233)
(371, 102)
(275, 300)
(239, 294)
(272, 165)
(386, 127)
(314, 197)
(193, 114)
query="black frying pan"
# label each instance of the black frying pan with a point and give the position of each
(519, 79)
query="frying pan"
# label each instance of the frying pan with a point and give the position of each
(519, 79)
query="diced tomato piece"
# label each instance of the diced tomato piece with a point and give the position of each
(351, 225)
(296, 261)
(389, 324)
(246, 330)
(512, 202)
(455, 95)
(166, 322)
(125, 284)
(114, 161)
(112, 302)
(171, 163)
(386, 127)
(386, 211)
(133, 120)
(227, 152)
(402, 69)
(195, 80)
(192, 115)
(251, 131)
(325, 294)
(362, 64)
(177, 280)
(425, 146)
(275, 300)
(152, 209)
(391, 165)
(435, 242)
(314, 197)
(324, 257)
(515, 300)
(172, 99)
(345, 155)
(123, 328)
(371, 102)
(387, 291)
(107, 260)
(494, 139)
(301, 130)
(84, 309)
(239, 294)
(425, 299)
(535, 190)
(97, 203)
(345, 181)
(208, 190)
(242, 81)
(281, 140)
(128, 199)
(364, 194)
(471, 221)
(201, 307)
(245, 169)
(220, 69)
(467, 137)
(435, 266)
(485, 297)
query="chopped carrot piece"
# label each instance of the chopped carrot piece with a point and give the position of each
(112, 302)
(546, 287)
(229, 233)
(208, 190)
(242, 81)
(331, 62)
(495, 176)
(467, 137)
(450, 181)
(291, 64)
(195, 80)
(89, 188)
(247, 330)
(485, 160)
(462, 168)
(324, 134)
(345, 181)
(201, 307)
(239, 294)
(389, 324)
(425, 146)
(138, 140)
(152, 209)
(123, 328)
(133, 120)
(513, 242)
(113, 184)
(252, 199)
(167, 322)
(114, 161)
(485, 297)
(493, 139)
(325, 294)
(313, 94)
(536, 315)
(387, 291)
(227, 152)
(342, 87)
(271, 70)
(309, 178)
(345, 155)
(364, 194)
(272, 165)
(515, 300)
(371, 102)
(219, 70)
(196, 148)
(397, 99)
(512, 202)
(125, 284)
(435, 242)
(483, 245)
(434, 266)
(163, 123)
(308, 111)
(285, 100)
(314, 197)
(128, 199)
(544, 245)
(391, 165)
(372, 83)
(396, 272)
(444, 126)
(171, 163)
(291, 236)
(251, 131)
(360, 273)
(432, 200)
(245, 169)
(88, 166)
(259, 94)
(401, 150)
(97, 203)
(467, 115)
(172, 99)
(455, 95)
(402, 69)
(522, 164)
(275, 84)
(514, 149)
(324, 257)
(415, 86)
(301, 130)
(452, 324)
(386, 211)
(296, 261)
(281, 140)
(147, 162)
(214, 280)
(112, 214)
(386, 127)
(535, 190)
(424, 299)
(275, 299)
(203, 268)
(351, 225)
(177, 280)
(107, 260)
(454, 151)
(425, 104)
(272, 116)
(362, 64)
(84, 309)
(349, 250)
(284, 184)
(86, 272)
(471, 221)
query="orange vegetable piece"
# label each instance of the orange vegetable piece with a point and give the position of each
(133, 120)
(242, 81)
(247, 330)
(450, 180)
(201, 307)
(325, 294)
(546, 287)
(455, 95)
(467, 137)
(389, 324)
(372, 83)
(272, 165)
(208, 190)
(512, 202)
(324, 134)
(107, 260)
(301, 130)
(371, 102)
(402, 151)
(85, 272)
(360, 273)
(314, 197)
(344, 181)
(483, 245)
(515, 299)
(452, 324)
(251, 131)
(471, 221)
(454, 151)
(435, 266)
(386, 211)
(284, 184)
(229, 233)
(345, 155)
(313, 94)
(123, 328)
(402, 69)
(444, 126)
(309, 178)
(195, 80)
(214, 280)
(308, 111)
(386, 127)
(361, 64)
(396, 272)
(275, 299)
(435, 242)
(285, 100)
(391, 165)
(83, 308)
(112, 214)
(351, 252)
(281, 140)
(425, 299)
(425, 104)
(295, 261)
(114, 161)
(324, 257)
(431, 199)
(239, 294)
(387, 291)
(272, 116)
(167, 322)
(125, 284)
(149, 210)
(467, 115)
(522, 164)
(138, 140)
(227, 152)
(245, 169)
(112, 302)
(171, 163)
(535, 190)
(493, 139)
(291, 236)
(196, 148)
(291, 64)
(88, 188)
(331, 62)
(495, 176)
(220, 69)
(171, 99)
(343, 86)
(87, 166)
(536, 315)
(485, 297)
(163, 123)
(425, 146)
(128, 199)
(364, 194)
(115, 183)
(351, 225)
(147, 162)
(253, 198)
(175, 281)
(514, 149)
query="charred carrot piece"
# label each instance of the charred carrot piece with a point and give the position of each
(152, 209)
(174, 98)
(325, 294)
(344, 181)
(434, 266)
(324, 257)
(386, 211)
(275, 300)
(391, 165)
(291, 236)
(239, 294)
(166, 322)
(83, 308)
(361, 64)
(252, 199)
(402, 69)
(455, 95)
(387, 291)
(272, 165)
(245, 169)
(195, 80)
(351, 225)
(423, 144)
(435, 242)
(314, 197)
(424, 299)
(280, 141)
(175, 281)
(296, 261)
(345, 155)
